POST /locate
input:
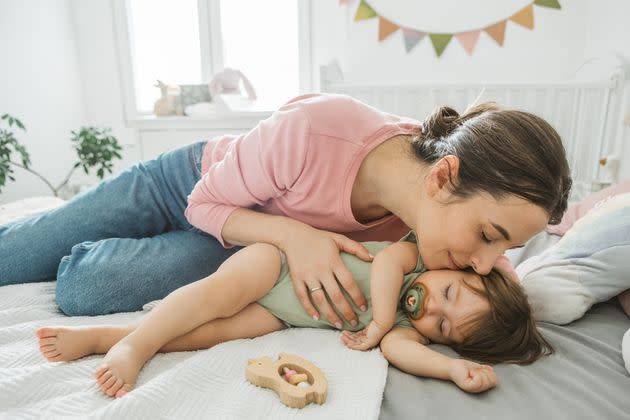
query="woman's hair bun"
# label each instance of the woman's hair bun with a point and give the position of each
(440, 123)
(444, 119)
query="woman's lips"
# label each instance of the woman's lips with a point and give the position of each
(452, 264)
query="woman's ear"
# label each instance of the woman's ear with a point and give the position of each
(443, 177)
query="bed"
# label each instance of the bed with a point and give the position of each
(585, 379)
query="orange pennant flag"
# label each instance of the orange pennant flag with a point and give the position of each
(524, 17)
(497, 31)
(385, 28)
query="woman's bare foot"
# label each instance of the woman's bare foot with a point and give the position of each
(117, 375)
(63, 344)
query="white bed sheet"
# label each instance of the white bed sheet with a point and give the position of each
(200, 384)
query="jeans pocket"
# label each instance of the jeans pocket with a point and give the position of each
(196, 157)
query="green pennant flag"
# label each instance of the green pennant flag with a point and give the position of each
(553, 4)
(364, 12)
(440, 41)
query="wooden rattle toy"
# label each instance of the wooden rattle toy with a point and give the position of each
(296, 380)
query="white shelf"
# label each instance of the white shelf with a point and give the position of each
(234, 120)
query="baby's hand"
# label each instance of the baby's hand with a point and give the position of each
(472, 377)
(365, 339)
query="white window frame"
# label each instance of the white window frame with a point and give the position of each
(211, 50)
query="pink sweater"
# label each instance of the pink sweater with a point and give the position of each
(301, 162)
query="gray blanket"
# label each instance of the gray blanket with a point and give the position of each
(585, 379)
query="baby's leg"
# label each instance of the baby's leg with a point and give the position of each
(242, 279)
(70, 343)
(253, 321)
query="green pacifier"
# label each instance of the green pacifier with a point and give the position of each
(413, 300)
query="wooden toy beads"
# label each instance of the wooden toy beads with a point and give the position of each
(296, 380)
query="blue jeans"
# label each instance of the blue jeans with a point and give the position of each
(119, 245)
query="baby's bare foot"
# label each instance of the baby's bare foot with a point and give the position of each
(63, 344)
(120, 368)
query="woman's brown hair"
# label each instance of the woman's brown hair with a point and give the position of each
(508, 332)
(501, 152)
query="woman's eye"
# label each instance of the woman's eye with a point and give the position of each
(446, 292)
(485, 238)
(441, 327)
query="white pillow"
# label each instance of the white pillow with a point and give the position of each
(590, 264)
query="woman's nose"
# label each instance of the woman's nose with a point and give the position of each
(483, 262)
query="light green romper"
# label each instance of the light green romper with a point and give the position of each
(282, 301)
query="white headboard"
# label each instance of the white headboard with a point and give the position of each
(586, 114)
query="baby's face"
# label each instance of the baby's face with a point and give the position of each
(448, 304)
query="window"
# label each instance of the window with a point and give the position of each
(187, 41)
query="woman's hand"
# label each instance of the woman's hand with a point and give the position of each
(317, 271)
(365, 339)
(472, 377)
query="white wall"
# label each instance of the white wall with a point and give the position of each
(59, 72)
(609, 30)
(64, 70)
(40, 83)
(551, 51)
(99, 66)
(561, 41)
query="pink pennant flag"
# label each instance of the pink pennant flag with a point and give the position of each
(468, 40)
(412, 38)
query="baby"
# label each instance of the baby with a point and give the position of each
(486, 318)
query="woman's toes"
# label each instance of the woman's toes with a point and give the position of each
(123, 391)
(46, 332)
(115, 387)
(57, 358)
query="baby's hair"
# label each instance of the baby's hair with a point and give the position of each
(507, 333)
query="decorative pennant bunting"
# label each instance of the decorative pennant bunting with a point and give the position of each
(385, 28)
(440, 41)
(412, 38)
(524, 17)
(468, 40)
(364, 12)
(497, 31)
(553, 4)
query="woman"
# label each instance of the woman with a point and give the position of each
(472, 186)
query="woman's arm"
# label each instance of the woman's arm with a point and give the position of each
(312, 255)
(261, 165)
(404, 348)
(386, 279)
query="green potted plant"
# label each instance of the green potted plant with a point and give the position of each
(96, 148)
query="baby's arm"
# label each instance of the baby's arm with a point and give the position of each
(388, 270)
(403, 348)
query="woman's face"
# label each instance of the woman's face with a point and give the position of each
(448, 304)
(473, 232)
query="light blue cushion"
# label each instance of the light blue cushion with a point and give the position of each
(590, 264)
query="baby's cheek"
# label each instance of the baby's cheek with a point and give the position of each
(424, 329)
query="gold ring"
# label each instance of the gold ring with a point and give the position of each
(314, 289)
